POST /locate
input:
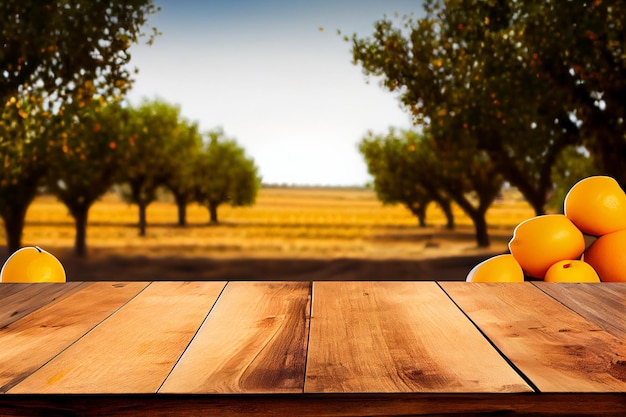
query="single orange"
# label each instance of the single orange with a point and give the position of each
(596, 205)
(571, 271)
(541, 241)
(607, 255)
(499, 268)
(32, 264)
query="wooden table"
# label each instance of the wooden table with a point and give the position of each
(312, 349)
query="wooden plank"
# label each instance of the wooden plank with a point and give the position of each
(19, 300)
(398, 337)
(604, 304)
(254, 340)
(8, 288)
(134, 349)
(27, 344)
(318, 405)
(557, 349)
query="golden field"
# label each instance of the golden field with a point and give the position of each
(285, 224)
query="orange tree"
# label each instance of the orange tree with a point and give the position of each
(224, 174)
(58, 45)
(156, 149)
(180, 179)
(464, 175)
(466, 72)
(24, 161)
(49, 50)
(395, 167)
(85, 159)
(578, 48)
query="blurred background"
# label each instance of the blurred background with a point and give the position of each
(299, 140)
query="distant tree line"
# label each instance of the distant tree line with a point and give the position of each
(531, 93)
(64, 125)
(409, 169)
(83, 150)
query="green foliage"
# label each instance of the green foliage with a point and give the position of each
(55, 54)
(224, 174)
(573, 164)
(399, 163)
(180, 180)
(25, 122)
(520, 80)
(153, 134)
(91, 144)
(58, 45)
(579, 49)
(84, 161)
(24, 163)
(408, 166)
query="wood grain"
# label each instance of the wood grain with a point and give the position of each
(30, 342)
(135, 348)
(556, 348)
(9, 288)
(398, 337)
(254, 340)
(604, 304)
(19, 300)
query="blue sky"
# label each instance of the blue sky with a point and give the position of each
(263, 71)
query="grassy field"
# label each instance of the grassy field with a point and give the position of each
(294, 224)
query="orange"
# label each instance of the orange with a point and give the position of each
(571, 271)
(32, 264)
(542, 241)
(499, 268)
(607, 255)
(596, 205)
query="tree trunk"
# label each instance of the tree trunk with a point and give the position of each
(15, 203)
(478, 217)
(142, 194)
(181, 203)
(480, 225)
(538, 205)
(536, 194)
(80, 215)
(182, 214)
(142, 219)
(421, 216)
(420, 213)
(14, 225)
(535, 197)
(446, 207)
(213, 212)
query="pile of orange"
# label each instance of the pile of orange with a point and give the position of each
(585, 244)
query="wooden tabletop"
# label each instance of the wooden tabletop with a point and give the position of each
(312, 348)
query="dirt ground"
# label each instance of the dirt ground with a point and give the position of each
(124, 268)
(445, 260)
